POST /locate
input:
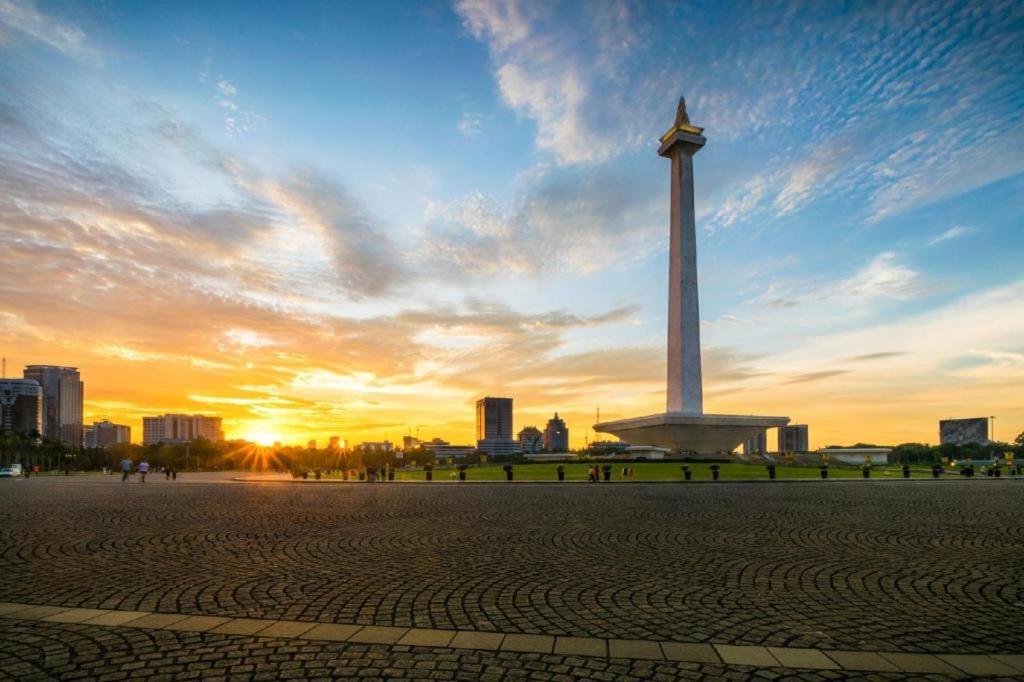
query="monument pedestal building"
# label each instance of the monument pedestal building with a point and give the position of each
(684, 426)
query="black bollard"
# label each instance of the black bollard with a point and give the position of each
(998, 471)
(508, 472)
(865, 471)
(936, 470)
(344, 475)
(317, 474)
(430, 474)
(462, 472)
(687, 474)
(305, 475)
(714, 472)
(391, 474)
(906, 471)
(824, 470)
(771, 472)
(560, 472)
(362, 475)
(607, 470)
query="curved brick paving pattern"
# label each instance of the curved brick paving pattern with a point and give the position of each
(916, 566)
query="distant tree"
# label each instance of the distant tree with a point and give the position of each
(1019, 440)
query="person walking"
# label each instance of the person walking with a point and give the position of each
(126, 469)
(143, 470)
(167, 473)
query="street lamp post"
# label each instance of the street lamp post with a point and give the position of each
(992, 429)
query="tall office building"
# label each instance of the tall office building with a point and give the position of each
(21, 407)
(180, 428)
(334, 443)
(63, 393)
(494, 433)
(556, 435)
(494, 418)
(794, 438)
(104, 434)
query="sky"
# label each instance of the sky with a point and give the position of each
(354, 219)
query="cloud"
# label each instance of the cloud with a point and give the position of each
(951, 233)
(23, 16)
(882, 278)
(570, 78)
(814, 376)
(578, 220)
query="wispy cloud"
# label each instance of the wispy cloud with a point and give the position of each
(951, 233)
(25, 17)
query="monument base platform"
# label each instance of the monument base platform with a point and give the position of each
(699, 433)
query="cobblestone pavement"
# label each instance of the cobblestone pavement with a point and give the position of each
(901, 566)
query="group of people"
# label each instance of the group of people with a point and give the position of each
(170, 473)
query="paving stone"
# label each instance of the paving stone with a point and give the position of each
(477, 640)
(287, 628)
(802, 658)
(862, 661)
(746, 655)
(12, 607)
(581, 646)
(376, 634)
(634, 648)
(335, 632)
(979, 665)
(75, 615)
(198, 623)
(36, 612)
(919, 663)
(116, 617)
(242, 626)
(538, 644)
(691, 653)
(1013, 660)
(427, 637)
(156, 620)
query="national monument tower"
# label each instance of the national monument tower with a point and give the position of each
(684, 426)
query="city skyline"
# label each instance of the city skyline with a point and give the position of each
(203, 220)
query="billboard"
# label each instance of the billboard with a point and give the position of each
(963, 431)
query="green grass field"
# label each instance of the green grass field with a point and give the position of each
(650, 471)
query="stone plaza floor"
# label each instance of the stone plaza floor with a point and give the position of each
(208, 577)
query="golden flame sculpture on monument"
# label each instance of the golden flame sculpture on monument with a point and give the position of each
(684, 427)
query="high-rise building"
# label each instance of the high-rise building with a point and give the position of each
(410, 443)
(63, 393)
(333, 443)
(758, 445)
(21, 407)
(494, 433)
(494, 418)
(794, 438)
(531, 440)
(556, 435)
(180, 428)
(104, 434)
(311, 445)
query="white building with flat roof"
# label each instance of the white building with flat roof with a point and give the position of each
(180, 428)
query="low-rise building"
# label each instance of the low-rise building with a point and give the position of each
(105, 433)
(180, 428)
(531, 440)
(498, 447)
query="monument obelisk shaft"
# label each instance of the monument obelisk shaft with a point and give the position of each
(685, 394)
